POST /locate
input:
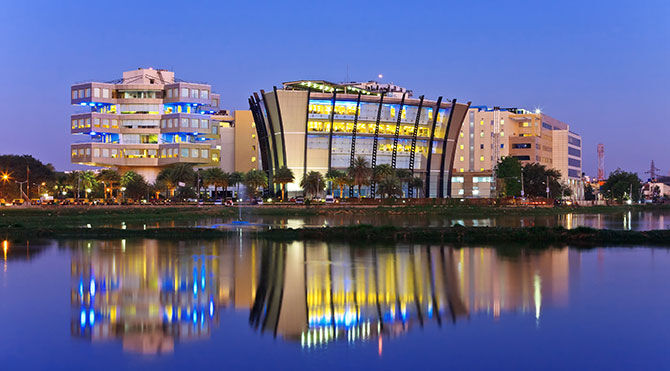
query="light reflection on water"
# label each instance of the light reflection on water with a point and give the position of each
(249, 304)
(629, 220)
(153, 293)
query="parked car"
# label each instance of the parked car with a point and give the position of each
(229, 203)
(257, 201)
(330, 199)
(300, 200)
(17, 201)
(2, 202)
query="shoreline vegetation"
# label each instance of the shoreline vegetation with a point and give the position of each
(363, 234)
(80, 223)
(76, 216)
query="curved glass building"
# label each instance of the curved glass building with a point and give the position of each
(319, 126)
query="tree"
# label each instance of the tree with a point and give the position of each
(404, 175)
(589, 193)
(171, 176)
(620, 185)
(341, 179)
(255, 179)
(360, 173)
(22, 168)
(88, 181)
(508, 174)
(218, 178)
(535, 177)
(313, 183)
(108, 178)
(390, 186)
(134, 185)
(417, 183)
(283, 175)
(382, 171)
(236, 178)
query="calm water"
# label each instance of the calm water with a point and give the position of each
(633, 220)
(245, 304)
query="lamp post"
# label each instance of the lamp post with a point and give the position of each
(123, 193)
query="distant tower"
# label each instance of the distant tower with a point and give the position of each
(652, 171)
(601, 161)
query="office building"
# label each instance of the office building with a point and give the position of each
(488, 134)
(145, 121)
(319, 126)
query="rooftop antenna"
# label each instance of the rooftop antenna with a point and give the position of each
(601, 161)
(653, 170)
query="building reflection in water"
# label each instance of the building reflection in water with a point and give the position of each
(150, 294)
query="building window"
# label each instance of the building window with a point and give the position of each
(184, 123)
(96, 152)
(169, 93)
(184, 152)
(481, 135)
(96, 92)
(74, 153)
(204, 124)
(105, 93)
(115, 124)
(194, 93)
(203, 94)
(461, 146)
(194, 123)
(521, 145)
(574, 152)
(481, 146)
(105, 152)
(574, 162)
(88, 123)
(194, 153)
(574, 141)
(522, 158)
(481, 158)
(457, 179)
(88, 92)
(74, 124)
(88, 151)
(204, 153)
(74, 94)
(184, 92)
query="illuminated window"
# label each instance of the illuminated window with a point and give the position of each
(96, 152)
(461, 146)
(74, 153)
(525, 124)
(74, 94)
(105, 93)
(461, 134)
(462, 170)
(481, 169)
(194, 153)
(194, 93)
(184, 152)
(253, 158)
(105, 152)
(204, 124)
(184, 123)
(502, 133)
(88, 92)
(169, 93)
(481, 122)
(461, 158)
(481, 158)
(194, 123)
(204, 153)
(88, 122)
(184, 92)
(481, 134)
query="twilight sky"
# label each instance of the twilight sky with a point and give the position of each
(601, 66)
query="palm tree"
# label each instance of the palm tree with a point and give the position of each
(360, 173)
(382, 171)
(236, 178)
(313, 183)
(331, 175)
(283, 175)
(218, 178)
(87, 181)
(339, 179)
(417, 183)
(173, 175)
(390, 186)
(254, 179)
(108, 178)
(404, 175)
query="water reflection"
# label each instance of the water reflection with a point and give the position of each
(150, 295)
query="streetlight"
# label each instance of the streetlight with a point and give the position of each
(123, 193)
(88, 192)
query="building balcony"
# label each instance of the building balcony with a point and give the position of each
(110, 154)
(190, 123)
(192, 93)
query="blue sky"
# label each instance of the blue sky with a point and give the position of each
(601, 66)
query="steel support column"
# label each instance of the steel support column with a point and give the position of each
(440, 191)
(352, 155)
(304, 159)
(394, 154)
(375, 144)
(430, 146)
(330, 134)
(453, 153)
(410, 190)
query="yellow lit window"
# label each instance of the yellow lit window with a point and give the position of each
(462, 170)
(461, 146)
(461, 158)
(253, 158)
(461, 134)
(502, 133)
(481, 122)
(481, 158)
(481, 134)
(525, 124)
(481, 169)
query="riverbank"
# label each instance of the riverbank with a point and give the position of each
(534, 237)
(77, 216)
